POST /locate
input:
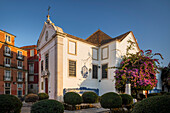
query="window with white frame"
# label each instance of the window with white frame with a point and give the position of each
(105, 53)
(19, 85)
(104, 71)
(8, 38)
(7, 75)
(95, 71)
(42, 67)
(31, 68)
(31, 78)
(19, 76)
(7, 88)
(19, 54)
(32, 52)
(7, 62)
(95, 53)
(7, 50)
(72, 68)
(46, 61)
(72, 47)
(19, 64)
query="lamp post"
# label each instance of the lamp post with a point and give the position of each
(128, 87)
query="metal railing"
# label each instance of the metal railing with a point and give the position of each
(18, 79)
(20, 57)
(7, 78)
(8, 54)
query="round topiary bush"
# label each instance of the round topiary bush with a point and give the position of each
(111, 100)
(126, 99)
(72, 98)
(89, 97)
(47, 106)
(10, 104)
(43, 96)
(31, 98)
(155, 104)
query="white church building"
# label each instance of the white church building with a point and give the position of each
(68, 63)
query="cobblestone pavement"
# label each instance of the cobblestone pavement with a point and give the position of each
(25, 109)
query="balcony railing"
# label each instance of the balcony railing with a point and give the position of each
(7, 78)
(20, 67)
(7, 65)
(20, 57)
(8, 54)
(13, 65)
(19, 79)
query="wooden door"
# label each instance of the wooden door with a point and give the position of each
(46, 85)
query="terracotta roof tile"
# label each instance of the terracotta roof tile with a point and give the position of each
(98, 37)
(80, 39)
(27, 47)
(119, 38)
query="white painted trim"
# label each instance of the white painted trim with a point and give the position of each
(20, 88)
(18, 63)
(21, 76)
(10, 88)
(7, 40)
(8, 65)
(8, 54)
(5, 74)
(20, 57)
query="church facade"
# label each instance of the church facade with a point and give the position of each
(68, 63)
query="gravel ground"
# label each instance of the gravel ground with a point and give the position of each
(27, 107)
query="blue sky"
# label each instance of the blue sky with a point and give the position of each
(148, 19)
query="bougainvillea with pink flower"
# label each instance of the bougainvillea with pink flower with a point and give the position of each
(139, 69)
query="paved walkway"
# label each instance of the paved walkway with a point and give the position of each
(27, 107)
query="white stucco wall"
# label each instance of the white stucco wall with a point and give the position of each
(107, 84)
(50, 49)
(83, 57)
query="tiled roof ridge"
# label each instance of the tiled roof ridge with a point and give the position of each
(96, 32)
(7, 32)
(123, 36)
(119, 38)
(93, 34)
(29, 46)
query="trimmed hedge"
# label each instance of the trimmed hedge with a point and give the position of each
(10, 104)
(155, 104)
(47, 106)
(72, 98)
(31, 98)
(111, 100)
(43, 96)
(89, 97)
(153, 94)
(126, 99)
(164, 93)
(158, 94)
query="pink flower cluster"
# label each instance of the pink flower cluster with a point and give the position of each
(140, 70)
